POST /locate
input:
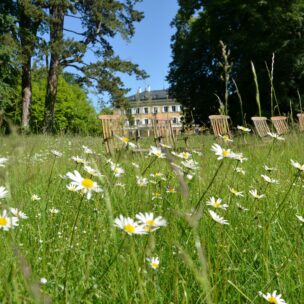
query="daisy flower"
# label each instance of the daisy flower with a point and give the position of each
(240, 170)
(269, 168)
(235, 192)
(56, 153)
(269, 180)
(153, 262)
(3, 160)
(43, 281)
(184, 155)
(170, 190)
(222, 153)
(240, 157)
(241, 207)
(85, 185)
(166, 146)
(78, 160)
(72, 187)
(87, 150)
(190, 164)
(18, 213)
(300, 218)
(273, 298)
(225, 138)
(3, 192)
(129, 226)
(91, 171)
(150, 222)
(218, 218)
(297, 165)
(117, 170)
(142, 181)
(7, 222)
(255, 194)
(135, 165)
(35, 197)
(275, 136)
(54, 210)
(156, 195)
(244, 129)
(216, 203)
(156, 152)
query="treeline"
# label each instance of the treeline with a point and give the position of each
(56, 35)
(205, 75)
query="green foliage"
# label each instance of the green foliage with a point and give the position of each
(73, 112)
(201, 261)
(252, 31)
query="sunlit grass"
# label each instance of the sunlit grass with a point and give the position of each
(72, 244)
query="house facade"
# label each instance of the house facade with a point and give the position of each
(148, 105)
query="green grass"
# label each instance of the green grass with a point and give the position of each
(201, 261)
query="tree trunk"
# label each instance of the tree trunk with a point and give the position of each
(26, 93)
(56, 38)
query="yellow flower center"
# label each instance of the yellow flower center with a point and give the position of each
(272, 300)
(129, 228)
(217, 204)
(226, 153)
(3, 221)
(225, 137)
(150, 222)
(87, 183)
(125, 139)
(154, 265)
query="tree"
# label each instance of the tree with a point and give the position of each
(99, 20)
(252, 31)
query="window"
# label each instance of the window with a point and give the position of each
(146, 110)
(146, 121)
(138, 122)
(137, 110)
(129, 111)
(155, 110)
(175, 120)
(173, 108)
(166, 109)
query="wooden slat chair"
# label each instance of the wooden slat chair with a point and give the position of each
(280, 124)
(220, 125)
(111, 126)
(301, 121)
(163, 132)
(261, 126)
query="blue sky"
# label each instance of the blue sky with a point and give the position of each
(149, 47)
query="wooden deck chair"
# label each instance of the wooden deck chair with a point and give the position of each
(261, 126)
(280, 124)
(163, 132)
(301, 121)
(220, 125)
(111, 127)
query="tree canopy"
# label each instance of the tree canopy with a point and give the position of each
(252, 31)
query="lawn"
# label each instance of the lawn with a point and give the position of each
(77, 244)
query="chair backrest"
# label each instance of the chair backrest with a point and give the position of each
(301, 121)
(261, 126)
(220, 125)
(111, 126)
(163, 132)
(280, 124)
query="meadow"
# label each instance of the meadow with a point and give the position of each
(210, 238)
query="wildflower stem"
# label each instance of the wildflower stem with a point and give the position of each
(149, 165)
(210, 184)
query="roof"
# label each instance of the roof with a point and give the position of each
(152, 95)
